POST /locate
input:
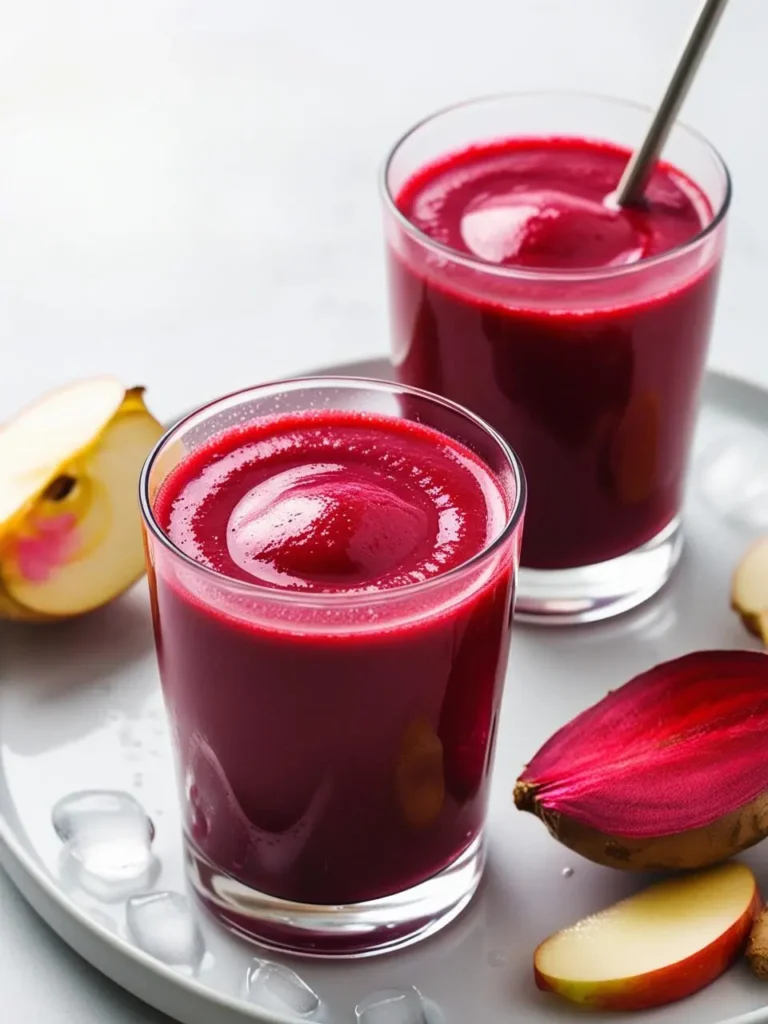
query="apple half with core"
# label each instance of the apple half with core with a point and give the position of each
(70, 532)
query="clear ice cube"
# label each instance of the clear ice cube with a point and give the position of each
(108, 835)
(276, 987)
(163, 925)
(392, 1006)
(733, 478)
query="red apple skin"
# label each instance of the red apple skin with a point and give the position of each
(666, 985)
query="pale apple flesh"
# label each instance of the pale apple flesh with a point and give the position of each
(48, 434)
(70, 533)
(662, 944)
(749, 590)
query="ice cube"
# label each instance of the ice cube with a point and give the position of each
(163, 925)
(276, 987)
(392, 1006)
(107, 836)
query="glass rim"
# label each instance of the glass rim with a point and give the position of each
(324, 599)
(554, 274)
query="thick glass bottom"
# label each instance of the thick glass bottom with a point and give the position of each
(591, 592)
(354, 930)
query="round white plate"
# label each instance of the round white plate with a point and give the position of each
(80, 708)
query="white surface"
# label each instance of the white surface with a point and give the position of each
(89, 696)
(187, 177)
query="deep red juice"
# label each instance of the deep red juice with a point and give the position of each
(332, 756)
(593, 379)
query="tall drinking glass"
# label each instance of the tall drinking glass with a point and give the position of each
(591, 372)
(334, 747)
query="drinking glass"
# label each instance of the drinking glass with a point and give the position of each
(593, 375)
(334, 750)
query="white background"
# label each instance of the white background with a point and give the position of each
(188, 200)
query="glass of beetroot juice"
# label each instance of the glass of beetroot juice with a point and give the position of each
(577, 329)
(332, 563)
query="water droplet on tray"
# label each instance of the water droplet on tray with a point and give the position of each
(107, 838)
(567, 872)
(392, 1006)
(497, 958)
(276, 987)
(163, 925)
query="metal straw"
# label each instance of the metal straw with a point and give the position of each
(638, 170)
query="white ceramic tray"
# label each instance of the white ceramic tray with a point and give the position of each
(80, 708)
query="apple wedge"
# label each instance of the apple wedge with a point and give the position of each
(70, 535)
(749, 590)
(664, 943)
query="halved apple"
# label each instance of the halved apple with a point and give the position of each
(749, 590)
(666, 942)
(70, 535)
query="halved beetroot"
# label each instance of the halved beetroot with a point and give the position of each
(668, 772)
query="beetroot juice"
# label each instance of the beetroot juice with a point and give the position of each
(332, 598)
(577, 329)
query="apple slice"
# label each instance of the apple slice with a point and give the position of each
(664, 943)
(749, 590)
(70, 535)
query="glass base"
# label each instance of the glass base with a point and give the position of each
(558, 597)
(354, 930)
